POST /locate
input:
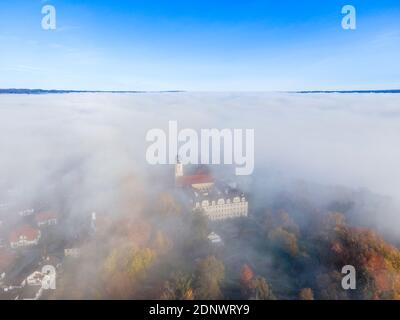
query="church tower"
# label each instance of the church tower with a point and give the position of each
(178, 168)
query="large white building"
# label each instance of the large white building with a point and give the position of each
(218, 201)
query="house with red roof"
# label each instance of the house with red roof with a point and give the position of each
(200, 178)
(24, 236)
(47, 218)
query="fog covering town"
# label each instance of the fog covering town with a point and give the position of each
(324, 193)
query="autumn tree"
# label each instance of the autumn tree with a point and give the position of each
(281, 219)
(123, 268)
(178, 288)
(282, 231)
(329, 286)
(306, 294)
(210, 273)
(246, 275)
(285, 240)
(377, 262)
(167, 205)
(260, 289)
(161, 243)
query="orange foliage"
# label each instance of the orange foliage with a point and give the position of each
(246, 275)
(376, 261)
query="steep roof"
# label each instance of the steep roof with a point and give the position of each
(26, 231)
(195, 179)
(216, 192)
(45, 216)
(196, 175)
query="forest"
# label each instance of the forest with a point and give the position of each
(290, 249)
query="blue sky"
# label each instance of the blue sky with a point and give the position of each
(200, 45)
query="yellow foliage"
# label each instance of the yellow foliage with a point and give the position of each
(127, 264)
(286, 240)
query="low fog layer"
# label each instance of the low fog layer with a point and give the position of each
(83, 145)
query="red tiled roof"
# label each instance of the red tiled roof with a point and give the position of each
(27, 231)
(195, 179)
(45, 216)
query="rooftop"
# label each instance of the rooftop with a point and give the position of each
(25, 231)
(45, 216)
(195, 179)
(216, 192)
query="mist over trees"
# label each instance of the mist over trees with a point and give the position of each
(317, 200)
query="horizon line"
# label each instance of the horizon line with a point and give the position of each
(65, 91)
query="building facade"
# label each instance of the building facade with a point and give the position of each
(224, 207)
(217, 200)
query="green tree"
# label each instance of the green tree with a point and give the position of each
(200, 229)
(330, 288)
(210, 273)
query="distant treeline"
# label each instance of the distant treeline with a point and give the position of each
(352, 91)
(42, 91)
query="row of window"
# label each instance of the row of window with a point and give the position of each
(236, 200)
(240, 208)
(225, 216)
